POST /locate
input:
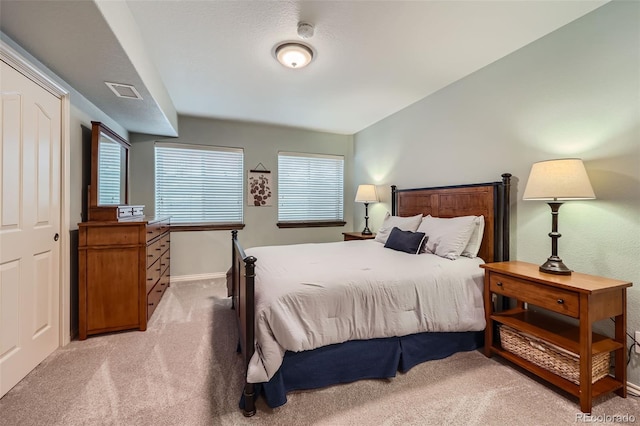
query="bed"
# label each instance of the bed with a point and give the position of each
(284, 351)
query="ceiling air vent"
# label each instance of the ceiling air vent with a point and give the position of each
(124, 90)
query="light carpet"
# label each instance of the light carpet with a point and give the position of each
(184, 371)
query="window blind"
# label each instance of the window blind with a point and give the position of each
(109, 173)
(199, 184)
(310, 187)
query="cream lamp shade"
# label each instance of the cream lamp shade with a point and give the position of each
(556, 181)
(564, 179)
(366, 194)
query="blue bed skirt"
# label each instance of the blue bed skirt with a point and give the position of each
(361, 359)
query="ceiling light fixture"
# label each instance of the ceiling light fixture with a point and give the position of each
(296, 55)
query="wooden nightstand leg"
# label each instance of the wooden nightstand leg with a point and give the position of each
(586, 339)
(488, 310)
(621, 354)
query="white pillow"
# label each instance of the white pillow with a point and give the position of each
(447, 237)
(409, 223)
(473, 246)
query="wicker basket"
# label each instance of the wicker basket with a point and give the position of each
(551, 357)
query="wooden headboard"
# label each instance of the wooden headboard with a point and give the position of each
(490, 200)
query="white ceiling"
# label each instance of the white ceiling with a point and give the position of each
(214, 58)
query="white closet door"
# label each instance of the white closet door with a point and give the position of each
(29, 225)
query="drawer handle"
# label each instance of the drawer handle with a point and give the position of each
(159, 291)
(150, 279)
(158, 269)
(163, 264)
(560, 301)
(157, 249)
(499, 284)
(151, 304)
(149, 255)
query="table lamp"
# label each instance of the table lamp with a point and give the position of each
(557, 181)
(366, 194)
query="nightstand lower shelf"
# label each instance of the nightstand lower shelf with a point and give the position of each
(559, 333)
(602, 386)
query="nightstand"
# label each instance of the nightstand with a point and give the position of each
(585, 298)
(349, 236)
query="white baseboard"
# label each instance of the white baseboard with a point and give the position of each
(633, 389)
(195, 277)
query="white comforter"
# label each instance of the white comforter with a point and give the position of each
(312, 295)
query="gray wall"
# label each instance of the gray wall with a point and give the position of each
(207, 252)
(573, 93)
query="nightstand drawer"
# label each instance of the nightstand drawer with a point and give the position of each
(553, 299)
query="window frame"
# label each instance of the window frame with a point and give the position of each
(204, 225)
(310, 223)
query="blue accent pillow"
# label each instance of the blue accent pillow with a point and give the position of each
(406, 241)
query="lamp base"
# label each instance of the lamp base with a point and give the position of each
(366, 230)
(554, 265)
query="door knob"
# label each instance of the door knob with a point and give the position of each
(56, 237)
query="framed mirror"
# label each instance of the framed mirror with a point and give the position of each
(109, 188)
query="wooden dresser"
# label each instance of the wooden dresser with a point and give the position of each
(123, 273)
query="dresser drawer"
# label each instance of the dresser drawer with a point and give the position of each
(157, 228)
(152, 231)
(153, 275)
(164, 281)
(547, 297)
(109, 235)
(153, 298)
(165, 240)
(154, 250)
(165, 226)
(165, 260)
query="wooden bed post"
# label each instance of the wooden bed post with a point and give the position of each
(394, 205)
(243, 273)
(249, 328)
(506, 212)
(234, 237)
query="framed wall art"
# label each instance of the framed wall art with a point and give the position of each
(259, 187)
